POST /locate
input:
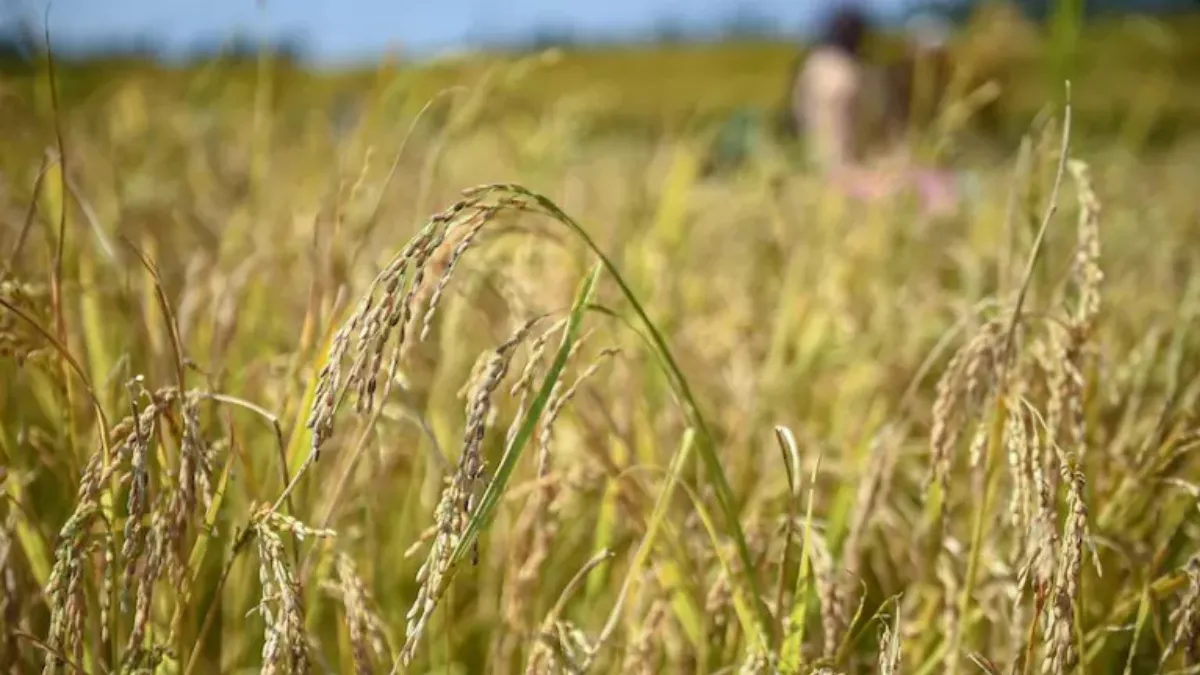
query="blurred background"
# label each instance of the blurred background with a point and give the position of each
(650, 63)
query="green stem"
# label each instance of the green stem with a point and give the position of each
(991, 481)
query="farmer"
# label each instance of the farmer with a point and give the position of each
(829, 102)
(827, 97)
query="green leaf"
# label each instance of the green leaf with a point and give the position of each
(706, 444)
(482, 516)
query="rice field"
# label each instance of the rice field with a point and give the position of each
(317, 374)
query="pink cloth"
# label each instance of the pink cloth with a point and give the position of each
(936, 190)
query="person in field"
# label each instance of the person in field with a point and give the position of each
(828, 93)
(830, 103)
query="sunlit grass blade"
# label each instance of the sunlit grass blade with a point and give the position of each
(1139, 625)
(606, 528)
(654, 524)
(790, 456)
(706, 445)
(482, 516)
(790, 654)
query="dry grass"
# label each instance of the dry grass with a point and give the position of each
(263, 412)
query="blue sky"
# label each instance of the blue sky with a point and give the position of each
(341, 30)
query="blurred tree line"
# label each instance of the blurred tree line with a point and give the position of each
(19, 43)
(20, 48)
